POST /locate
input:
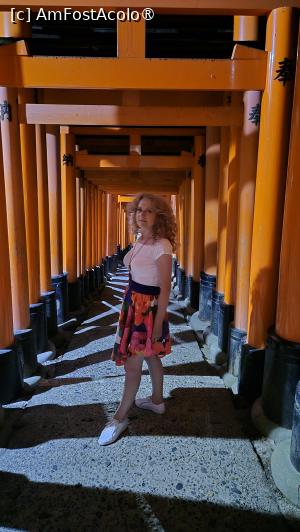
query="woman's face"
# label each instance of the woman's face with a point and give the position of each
(145, 214)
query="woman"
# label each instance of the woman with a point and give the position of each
(143, 330)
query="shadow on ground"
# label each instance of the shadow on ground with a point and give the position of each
(68, 508)
(187, 415)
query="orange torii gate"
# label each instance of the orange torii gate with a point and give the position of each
(229, 212)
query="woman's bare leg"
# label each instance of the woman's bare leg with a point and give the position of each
(157, 378)
(133, 373)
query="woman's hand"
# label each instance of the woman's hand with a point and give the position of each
(157, 332)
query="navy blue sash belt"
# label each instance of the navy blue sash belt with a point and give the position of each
(143, 288)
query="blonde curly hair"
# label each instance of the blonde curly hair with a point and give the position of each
(165, 224)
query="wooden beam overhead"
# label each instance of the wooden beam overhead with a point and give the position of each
(114, 115)
(133, 73)
(141, 175)
(135, 189)
(196, 7)
(133, 162)
(132, 182)
(143, 131)
(121, 97)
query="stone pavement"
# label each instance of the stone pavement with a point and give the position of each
(198, 467)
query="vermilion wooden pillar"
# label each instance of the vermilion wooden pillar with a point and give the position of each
(109, 227)
(85, 247)
(218, 294)
(282, 363)
(59, 278)
(246, 194)
(126, 229)
(121, 226)
(14, 29)
(43, 240)
(271, 175)
(115, 211)
(69, 218)
(99, 222)
(118, 222)
(6, 323)
(99, 229)
(181, 278)
(29, 172)
(232, 208)
(69, 214)
(83, 200)
(245, 28)
(88, 224)
(227, 306)
(196, 225)
(96, 227)
(15, 208)
(78, 221)
(93, 233)
(187, 263)
(177, 264)
(11, 375)
(104, 224)
(269, 199)
(96, 245)
(89, 236)
(10, 132)
(208, 274)
(43, 199)
(55, 212)
(247, 178)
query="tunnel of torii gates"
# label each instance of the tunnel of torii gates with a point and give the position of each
(235, 194)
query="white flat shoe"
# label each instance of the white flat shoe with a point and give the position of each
(112, 431)
(147, 404)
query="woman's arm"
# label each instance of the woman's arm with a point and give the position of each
(164, 267)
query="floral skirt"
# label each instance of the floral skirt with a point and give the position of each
(135, 325)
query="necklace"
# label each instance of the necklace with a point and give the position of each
(135, 254)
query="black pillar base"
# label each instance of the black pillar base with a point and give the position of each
(251, 372)
(11, 373)
(174, 266)
(25, 338)
(86, 285)
(178, 274)
(217, 298)
(92, 280)
(235, 344)
(110, 261)
(74, 291)
(207, 285)
(116, 261)
(281, 375)
(188, 288)
(101, 274)
(97, 277)
(295, 442)
(49, 299)
(181, 280)
(226, 317)
(194, 298)
(60, 284)
(38, 323)
(119, 252)
(81, 281)
(105, 265)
